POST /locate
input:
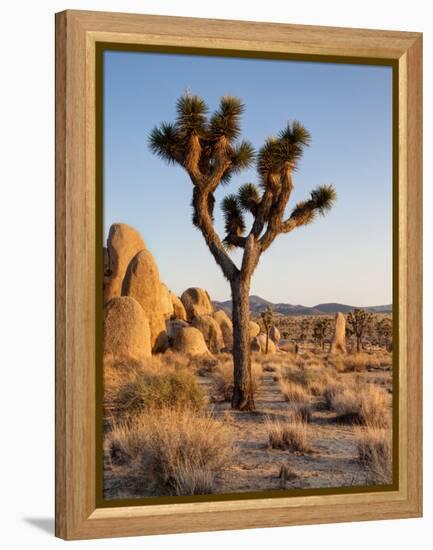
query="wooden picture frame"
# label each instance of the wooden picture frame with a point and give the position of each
(79, 34)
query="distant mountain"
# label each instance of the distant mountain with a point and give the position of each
(258, 304)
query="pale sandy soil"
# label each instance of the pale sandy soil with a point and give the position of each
(332, 461)
(256, 467)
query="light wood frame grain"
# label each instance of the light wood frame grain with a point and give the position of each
(77, 36)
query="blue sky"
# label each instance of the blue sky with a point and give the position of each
(343, 257)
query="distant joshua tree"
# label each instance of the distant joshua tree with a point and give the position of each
(358, 322)
(268, 321)
(209, 151)
(384, 332)
(321, 331)
(304, 329)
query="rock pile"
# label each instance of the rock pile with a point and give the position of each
(126, 329)
(142, 316)
(196, 302)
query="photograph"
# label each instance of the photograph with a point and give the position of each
(249, 294)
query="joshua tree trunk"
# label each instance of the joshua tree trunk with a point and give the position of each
(358, 344)
(243, 391)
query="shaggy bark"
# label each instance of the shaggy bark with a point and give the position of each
(243, 391)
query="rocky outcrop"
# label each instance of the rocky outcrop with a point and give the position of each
(178, 308)
(196, 302)
(226, 326)
(126, 329)
(272, 348)
(173, 326)
(211, 331)
(190, 340)
(123, 243)
(274, 334)
(254, 329)
(166, 302)
(142, 283)
(338, 344)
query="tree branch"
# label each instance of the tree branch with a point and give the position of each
(251, 257)
(235, 240)
(205, 224)
(278, 207)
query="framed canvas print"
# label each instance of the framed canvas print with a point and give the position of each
(238, 274)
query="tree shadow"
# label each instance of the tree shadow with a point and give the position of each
(44, 524)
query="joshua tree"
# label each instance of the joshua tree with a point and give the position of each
(207, 147)
(357, 322)
(384, 332)
(321, 331)
(304, 329)
(268, 321)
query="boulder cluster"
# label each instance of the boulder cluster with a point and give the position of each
(142, 316)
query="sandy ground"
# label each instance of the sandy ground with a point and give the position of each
(332, 461)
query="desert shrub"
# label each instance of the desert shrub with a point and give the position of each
(293, 392)
(336, 361)
(116, 374)
(319, 379)
(269, 367)
(331, 392)
(375, 407)
(173, 360)
(223, 379)
(317, 387)
(288, 435)
(205, 365)
(300, 412)
(174, 451)
(160, 389)
(375, 454)
(289, 360)
(368, 405)
(358, 362)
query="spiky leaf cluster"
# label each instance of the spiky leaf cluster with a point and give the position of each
(321, 200)
(226, 120)
(210, 135)
(234, 206)
(207, 147)
(233, 216)
(286, 148)
(249, 197)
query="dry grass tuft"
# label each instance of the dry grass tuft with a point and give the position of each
(300, 412)
(172, 451)
(375, 453)
(367, 405)
(331, 392)
(289, 435)
(157, 389)
(359, 362)
(293, 392)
